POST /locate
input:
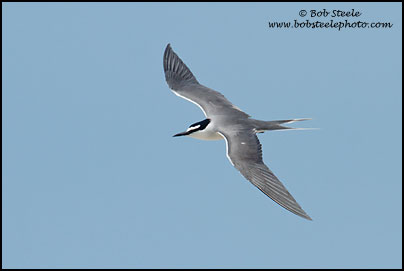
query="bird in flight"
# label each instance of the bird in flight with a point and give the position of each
(226, 121)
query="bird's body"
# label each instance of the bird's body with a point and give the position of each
(226, 121)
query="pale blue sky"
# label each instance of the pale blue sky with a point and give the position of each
(92, 177)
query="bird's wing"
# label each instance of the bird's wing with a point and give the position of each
(184, 84)
(244, 152)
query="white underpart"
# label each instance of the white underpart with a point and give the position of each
(243, 143)
(189, 100)
(227, 148)
(209, 133)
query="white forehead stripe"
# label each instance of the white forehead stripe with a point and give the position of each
(193, 127)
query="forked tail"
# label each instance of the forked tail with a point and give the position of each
(262, 126)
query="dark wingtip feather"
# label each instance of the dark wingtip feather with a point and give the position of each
(176, 72)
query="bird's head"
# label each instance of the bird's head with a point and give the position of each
(198, 126)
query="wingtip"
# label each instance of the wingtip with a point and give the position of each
(176, 72)
(302, 214)
(167, 50)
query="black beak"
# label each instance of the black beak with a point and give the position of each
(180, 134)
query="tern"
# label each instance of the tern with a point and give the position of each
(226, 121)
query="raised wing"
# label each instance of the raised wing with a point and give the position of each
(244, 152)
(184, 84)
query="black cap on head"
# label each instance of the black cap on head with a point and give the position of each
(198, 126)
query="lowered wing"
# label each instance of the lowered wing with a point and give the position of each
(244, 152)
